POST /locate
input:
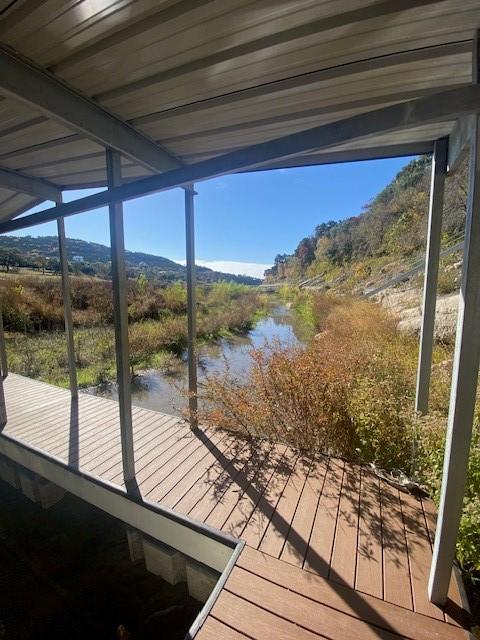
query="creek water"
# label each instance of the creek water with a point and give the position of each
(163, 390)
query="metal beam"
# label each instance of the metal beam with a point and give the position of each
(32, 186)
(274, 39)
(120, 314)
(191, 307)
(439, 107)
(459, 142)
(67, 307)
(463, 392)
(434, 236)
(22, 80)
(352, 155)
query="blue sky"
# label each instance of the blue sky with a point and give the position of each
(244, 220)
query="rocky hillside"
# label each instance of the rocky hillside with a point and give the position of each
(369, 251)
(386, 238)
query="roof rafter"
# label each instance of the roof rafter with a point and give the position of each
(439, 107)
(21, 79)
(352, 155)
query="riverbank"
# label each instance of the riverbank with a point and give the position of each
(162, 388)
(157, 331)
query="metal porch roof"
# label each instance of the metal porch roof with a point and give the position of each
(204, 77)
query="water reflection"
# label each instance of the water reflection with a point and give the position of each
(162, 390)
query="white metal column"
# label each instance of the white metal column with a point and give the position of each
(120, 313)
(434, 236)
(67, 306)
(3, 349)
(4, 373)
(191, 306)
(463, 392)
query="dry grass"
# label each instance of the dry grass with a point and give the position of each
(33, 314)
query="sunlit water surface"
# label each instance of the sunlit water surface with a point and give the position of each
(164, 390)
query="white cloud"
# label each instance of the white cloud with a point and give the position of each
(254, 269)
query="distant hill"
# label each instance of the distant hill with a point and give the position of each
(93, 258)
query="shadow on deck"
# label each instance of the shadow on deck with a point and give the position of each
(317, 529)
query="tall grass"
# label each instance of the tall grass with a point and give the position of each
(33, 315)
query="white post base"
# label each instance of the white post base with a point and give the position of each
(200, 580)
(164, 561)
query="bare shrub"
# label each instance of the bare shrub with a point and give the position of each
(345, 393)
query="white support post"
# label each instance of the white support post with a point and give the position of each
(191, 307)
(434, 236)
(4, 373)
(67, 306)
(463, 393)
(3, 349)
(120, 312)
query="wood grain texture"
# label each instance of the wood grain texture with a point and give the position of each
(329, 533)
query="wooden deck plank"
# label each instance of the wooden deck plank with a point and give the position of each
(344, 553)
(430, 517)
(419, 555)
(196, 472)
(246, 505)
(351, 547)
(154, 456)
(397, 587)
(27, 432)
(154, 473)
(93, 444)
(106, 461)
(175, 479)
(225, 479)
(255, 622)
(231, 497)
(259, 520)
(323, 531)
(61, 418)
(297, 541)
(208, 488)
(297, 608)
(91, 425)
(33, 422)
(213, 629)
(369, 574)
(279, 526)
(336, 596)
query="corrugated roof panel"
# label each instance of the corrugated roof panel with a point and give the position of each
(17, 204)
(204, 77)
(55, 152)
(328, 99)
(361, 41)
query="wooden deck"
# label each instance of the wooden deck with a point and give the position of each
(331, 550)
